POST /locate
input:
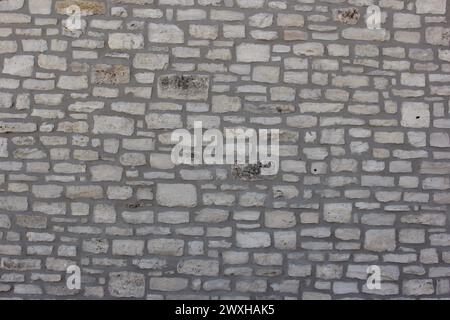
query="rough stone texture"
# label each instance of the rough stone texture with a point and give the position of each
(86, 176)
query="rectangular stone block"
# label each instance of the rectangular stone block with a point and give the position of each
(249, 52)
(183, 87)
(126, 284)
(415, 115)
(166, 247)
(198, 267)
(13, 203)
(165, 33)
(110, 74)
(88, 8)
(113, 125)
(186, 195)
(380, 240)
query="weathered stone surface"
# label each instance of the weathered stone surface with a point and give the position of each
(415, 115)
(438, 36)
(183, 87)
(73, 82)
(40, 6)
(338, 212)
(19, 65)
(186, 195)
(418, 287)
(166, 247)
(199, 267)
(126, 284)
(165, 33)
(150, 61)
(87, 114)
(431, 6)
(107, 74)
(223, 103)
(86, 7)
(380, 240)
(125, 41)
(348, 16)
(248, 52)
(13, 203)
(128, 247)
(168, 284)
(253, 239)
(113, 125)
(106, 173)
(11, 5)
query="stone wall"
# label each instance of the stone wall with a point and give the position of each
(86, 177)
